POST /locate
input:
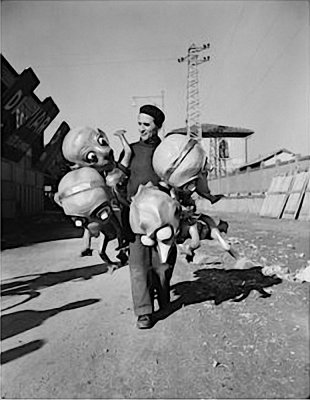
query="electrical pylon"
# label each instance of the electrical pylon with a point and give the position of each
(193, 124)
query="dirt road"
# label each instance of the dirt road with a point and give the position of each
(68, 329)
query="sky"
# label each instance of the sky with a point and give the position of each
(100, 60)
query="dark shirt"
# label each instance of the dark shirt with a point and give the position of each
(141, 168)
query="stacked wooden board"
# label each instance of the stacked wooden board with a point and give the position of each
(304, 212)
(288, 197)
(276, 196)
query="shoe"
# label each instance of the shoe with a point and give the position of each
(144, 321)
(86, 252)
(215, 198)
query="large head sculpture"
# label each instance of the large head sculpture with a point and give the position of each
(87, 147)
(155, 216)
(84, 196)
(178, 160)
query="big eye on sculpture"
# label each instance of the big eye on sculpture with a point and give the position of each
(164, 234)
(101, 140)
(91, 157)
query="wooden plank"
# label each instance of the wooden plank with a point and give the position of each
(304, 212)
(276, 196)
(296, 195)
(268, 199)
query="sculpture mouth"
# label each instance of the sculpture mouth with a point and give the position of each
(103, 212)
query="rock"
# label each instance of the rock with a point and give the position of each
(275, 270)
(303, 275)
(244, 263)
(233, 240)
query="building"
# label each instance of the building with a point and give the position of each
(53, 164)
(24, 117)
(272, 158)
(226, 146)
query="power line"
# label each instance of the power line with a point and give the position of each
(78, 65)
(269, 68)
(259, 45)
(226, 52)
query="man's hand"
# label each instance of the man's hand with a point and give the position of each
(120, 132)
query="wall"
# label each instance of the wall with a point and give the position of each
(24, 117)
(22, 189)
(245, 191)
(256, 180)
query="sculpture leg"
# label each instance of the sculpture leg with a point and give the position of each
(86, 244)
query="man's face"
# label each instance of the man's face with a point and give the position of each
(147, 127)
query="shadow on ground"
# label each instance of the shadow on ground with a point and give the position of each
(219, 285)
(13, 354)
(43, 228)
(21, 321)
(30, 285)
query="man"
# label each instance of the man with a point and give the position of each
(146, 269)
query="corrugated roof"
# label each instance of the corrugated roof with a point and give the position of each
(217, 131)
(266, 157)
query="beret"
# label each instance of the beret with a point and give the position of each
(155, 112)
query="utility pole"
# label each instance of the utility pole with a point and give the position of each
(193, 110)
